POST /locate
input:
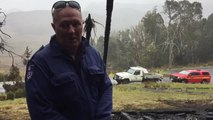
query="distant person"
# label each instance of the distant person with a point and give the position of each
(66, 79)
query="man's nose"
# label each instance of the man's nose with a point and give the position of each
(71, 29)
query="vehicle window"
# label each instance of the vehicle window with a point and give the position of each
(137, 72)
(131, 71)
(184, 72)
(205, 73)
(194, 73)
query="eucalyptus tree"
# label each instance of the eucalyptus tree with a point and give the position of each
(124, 42)
(206, 43)
(139, 43)
(170, 8)
(100, 45)
(190, 32)
(154, 36)
(209, 35)
(116, 51)
(182, 30)
(115, 60)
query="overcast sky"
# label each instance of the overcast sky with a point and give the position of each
(126, 13)
(29, 5)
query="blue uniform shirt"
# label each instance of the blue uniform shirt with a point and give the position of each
(59, 88)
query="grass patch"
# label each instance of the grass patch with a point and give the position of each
(14, 110)
(139, 97)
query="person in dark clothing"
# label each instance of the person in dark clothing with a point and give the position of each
(67, 79)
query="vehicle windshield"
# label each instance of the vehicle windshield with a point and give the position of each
(131, 71)
(184, 72)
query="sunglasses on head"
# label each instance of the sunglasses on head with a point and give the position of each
(63, 4)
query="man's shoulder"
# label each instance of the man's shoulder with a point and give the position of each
(42, 52)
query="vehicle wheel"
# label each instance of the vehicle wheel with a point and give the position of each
(184, 81)
(125, 81)
(204, 82)
(155, 80)
(159, 80)
(144, 80)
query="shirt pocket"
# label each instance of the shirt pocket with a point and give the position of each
(96, 79)
(65, 87)
(96, 74)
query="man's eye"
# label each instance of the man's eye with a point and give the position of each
(65, 26)
(76, 24)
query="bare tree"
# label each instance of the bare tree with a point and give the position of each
(4, 36)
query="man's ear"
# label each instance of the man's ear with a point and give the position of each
(53, 26)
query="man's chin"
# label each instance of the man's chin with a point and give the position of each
(73, 47)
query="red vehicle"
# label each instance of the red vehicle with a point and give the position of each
(191, 76)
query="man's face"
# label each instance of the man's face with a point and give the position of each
(68, 26)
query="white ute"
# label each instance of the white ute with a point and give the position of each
(137, 74)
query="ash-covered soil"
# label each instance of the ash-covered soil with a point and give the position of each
(181, 110)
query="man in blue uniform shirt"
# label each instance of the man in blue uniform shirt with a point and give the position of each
(66, 79)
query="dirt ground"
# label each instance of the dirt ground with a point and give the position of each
(181, 110)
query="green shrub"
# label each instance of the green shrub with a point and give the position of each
(20, 85)
(9, 87)
(14, 74)
(2, 97)
(15, 87)
(10, 95)
(2, 77)
(20, 93)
